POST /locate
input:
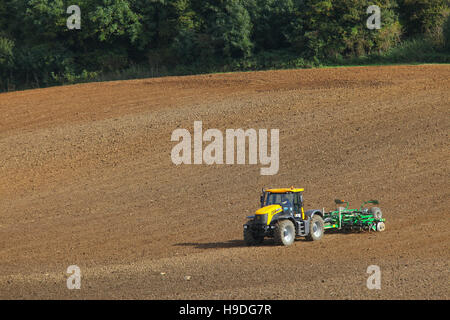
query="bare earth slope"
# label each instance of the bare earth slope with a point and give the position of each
(86, 179)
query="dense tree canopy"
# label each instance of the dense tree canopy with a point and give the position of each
(37, 48)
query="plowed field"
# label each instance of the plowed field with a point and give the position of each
(86, 179)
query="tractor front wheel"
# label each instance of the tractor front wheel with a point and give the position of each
(316, 228)
(284, 233)
(252, 240)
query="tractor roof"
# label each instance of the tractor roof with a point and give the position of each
(285, 190)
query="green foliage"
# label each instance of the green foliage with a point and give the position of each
(422, 16)
(446, 33)
(6, 52)
(231, 30)
(333, 28)
(44, 18)
(122, 39)
(272, 22)
(218, 30)
(6, 61)
(114, 18)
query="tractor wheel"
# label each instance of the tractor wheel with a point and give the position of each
(381, 226)
(315, 228)
(252, 240)
(376, 212)
(284, 233)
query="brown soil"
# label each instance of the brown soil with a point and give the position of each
(86, 179)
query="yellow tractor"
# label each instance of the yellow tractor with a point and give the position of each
(282, 217)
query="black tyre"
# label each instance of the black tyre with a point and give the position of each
(252, 240)
(376, 212)
(284, 233)
(316, 228)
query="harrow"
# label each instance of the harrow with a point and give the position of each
(362, 219)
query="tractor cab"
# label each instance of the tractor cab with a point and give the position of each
(289, 199)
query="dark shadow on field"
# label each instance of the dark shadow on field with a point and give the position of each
(228, 244)
(347, 232)
(213, 245)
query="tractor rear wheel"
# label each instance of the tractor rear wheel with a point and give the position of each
(316, 228)
(284, 233)
(376, 212)
(252, 240)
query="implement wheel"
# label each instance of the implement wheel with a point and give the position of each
(381, 226)
(376, 212)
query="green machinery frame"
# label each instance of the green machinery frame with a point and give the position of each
(355, 219)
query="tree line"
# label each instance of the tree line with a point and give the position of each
(160, 37)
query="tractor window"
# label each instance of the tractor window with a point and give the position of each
(298, 202)
(278, 198)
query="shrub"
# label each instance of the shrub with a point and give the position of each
(422, 16)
